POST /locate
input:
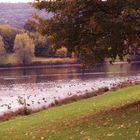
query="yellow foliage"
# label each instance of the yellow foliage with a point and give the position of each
(24, 48)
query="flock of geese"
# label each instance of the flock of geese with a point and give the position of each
(39, 95)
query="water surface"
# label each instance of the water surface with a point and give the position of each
(40, 87)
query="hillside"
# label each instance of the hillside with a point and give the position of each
(16, 14)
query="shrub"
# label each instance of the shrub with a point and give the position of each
(62, 52)
(2, 51)
(24, 48)
(8, 33)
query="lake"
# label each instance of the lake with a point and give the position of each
(40, 87)
(38, 75)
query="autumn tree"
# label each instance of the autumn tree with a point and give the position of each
(44, 45)
(61, 52)
(95, 29)
(24, 48)
(8, 33)
(2, 51)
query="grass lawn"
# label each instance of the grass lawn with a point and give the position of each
(89, 119)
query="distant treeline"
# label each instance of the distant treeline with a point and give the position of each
(24, 45)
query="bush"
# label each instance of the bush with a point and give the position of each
(62, 52)
(2, 51)
(8, 33)
(24, 48)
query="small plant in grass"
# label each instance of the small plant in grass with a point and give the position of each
(2, 51)
(24, 48)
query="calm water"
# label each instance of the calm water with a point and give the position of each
(41, 75)
(40, 87)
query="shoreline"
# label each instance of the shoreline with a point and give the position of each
(23, 104)
(9, 67)
(73, 63)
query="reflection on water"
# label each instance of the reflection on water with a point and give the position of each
(38, 75)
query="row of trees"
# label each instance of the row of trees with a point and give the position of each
(94, 29)
(23, 49)
(24, 45)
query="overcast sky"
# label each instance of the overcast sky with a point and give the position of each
(13, 1)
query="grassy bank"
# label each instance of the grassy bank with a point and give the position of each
(12, 62)
(54, 60)
(81, 120)
(11, 59)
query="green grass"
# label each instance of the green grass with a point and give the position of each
(82, 120)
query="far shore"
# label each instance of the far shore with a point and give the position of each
(43, 63)
(55, 62)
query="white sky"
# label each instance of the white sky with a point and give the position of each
(14, 1)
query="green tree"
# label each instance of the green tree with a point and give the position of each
(95, 29)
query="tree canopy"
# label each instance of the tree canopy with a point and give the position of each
(95, 29)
